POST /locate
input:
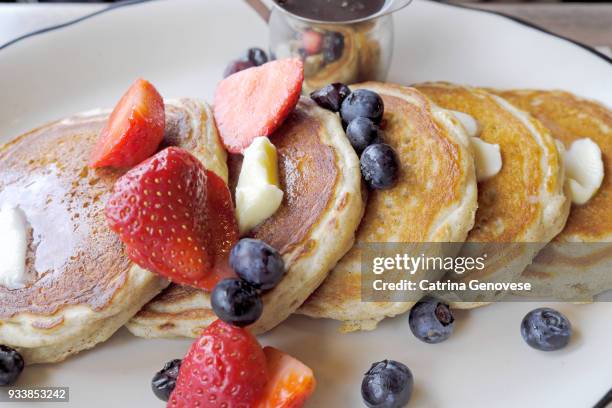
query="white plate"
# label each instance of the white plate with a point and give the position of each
(182, 46)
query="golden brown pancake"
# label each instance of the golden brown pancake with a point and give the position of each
(83, 286)
(314, 227)
(433, 201)
(565, 270)
(45, 173)
(524, 202)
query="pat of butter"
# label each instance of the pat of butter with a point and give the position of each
(468, 122)
(258, 195)
(13, 247)
(487, 158)
(584, 170)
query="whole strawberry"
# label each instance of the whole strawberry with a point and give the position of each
(225, 367)
(159, 209)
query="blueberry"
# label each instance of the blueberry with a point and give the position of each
(236, 302)
(302, 53)
(257, 56)
(380, 137)
(257, 263)
(379, 166)
(546, 329)
(362, 103)
(164, 381)
(330, 97)
(431, 321)
(11, 365)
(333, 46)
(237, 66)
(362, 132)
(387, 384)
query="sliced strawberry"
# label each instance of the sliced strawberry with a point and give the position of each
(291, 382)
(223, 229)
(159, 210)
(225, 367)
(255, 102)
(312, 41)
(134, 130)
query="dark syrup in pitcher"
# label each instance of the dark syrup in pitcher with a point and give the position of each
(332, 10)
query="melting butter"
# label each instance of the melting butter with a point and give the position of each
(584, 170)
(13, 247)
(487, 156)
(258, 195)
(469, 123)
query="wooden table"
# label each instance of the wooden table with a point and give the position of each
(584, 22)
(588, 23)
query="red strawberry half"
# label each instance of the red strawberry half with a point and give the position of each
(161, 208)
(135, 128)
(225, 367)
(223, 228)
(255, 102)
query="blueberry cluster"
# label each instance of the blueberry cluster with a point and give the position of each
(254, 57)
(362, 112)
(389, 384)
(259, 267)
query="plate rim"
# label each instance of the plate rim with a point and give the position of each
(127, 3)
(529, 25)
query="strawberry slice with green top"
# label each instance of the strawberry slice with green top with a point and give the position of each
(134, 130)
(255, 102)
(174, 218)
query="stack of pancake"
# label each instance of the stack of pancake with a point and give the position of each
(83, 287)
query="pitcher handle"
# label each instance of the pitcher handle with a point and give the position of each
(260, 8)
(395, 5)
